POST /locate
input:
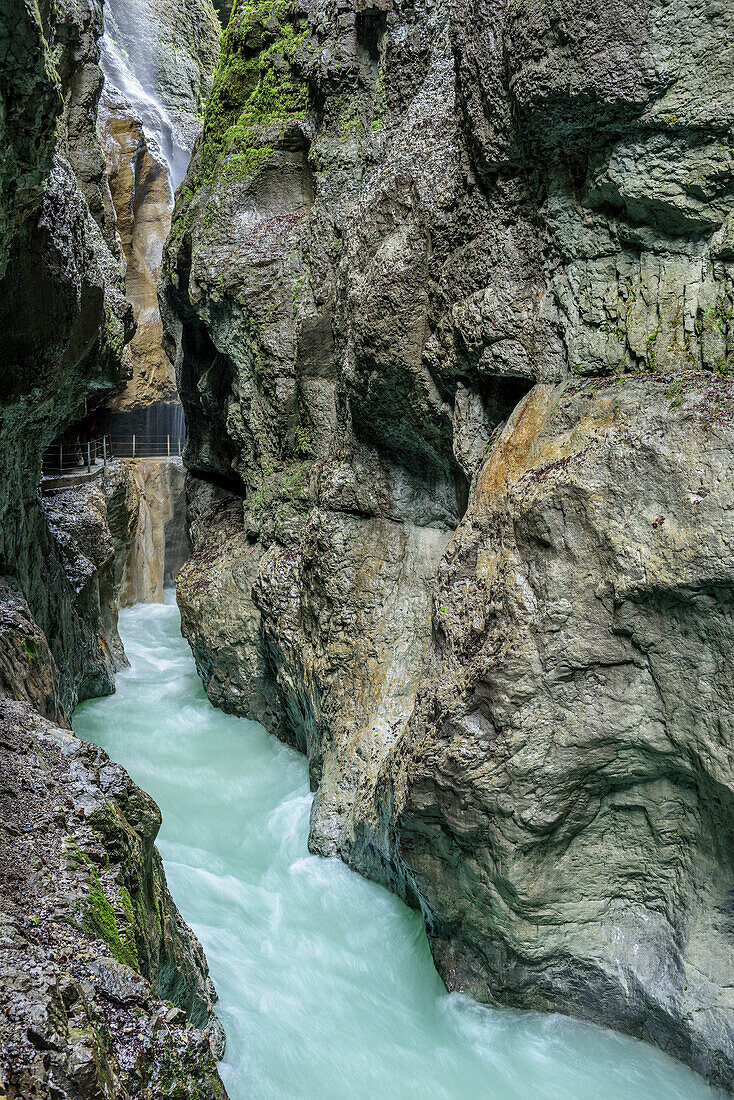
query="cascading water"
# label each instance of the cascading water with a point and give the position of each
(326, 982)
(160, 133)
(148, 149)
(153, 423)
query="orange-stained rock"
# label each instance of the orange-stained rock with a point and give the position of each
(142, 197)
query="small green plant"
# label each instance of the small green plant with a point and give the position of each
(380, 105)
(716, 317)
(724, 367)
(303, 440)
(650, 352)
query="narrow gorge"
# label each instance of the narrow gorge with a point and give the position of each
(397, 335)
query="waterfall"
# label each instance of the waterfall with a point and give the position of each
(160, 133)
(141, 135)
(150, 422)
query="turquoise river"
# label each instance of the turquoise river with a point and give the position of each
(327, 989)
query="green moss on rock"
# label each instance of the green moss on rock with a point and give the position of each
(256, 87)
(101, 921)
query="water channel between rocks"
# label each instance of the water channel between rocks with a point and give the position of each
(327, 989)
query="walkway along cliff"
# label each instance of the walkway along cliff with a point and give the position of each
(449, 296)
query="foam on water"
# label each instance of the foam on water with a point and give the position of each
(327, 989)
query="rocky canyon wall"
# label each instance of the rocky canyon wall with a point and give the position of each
(64, 319)
(91, 942)
(449, 295)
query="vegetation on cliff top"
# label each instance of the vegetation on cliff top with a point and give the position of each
(255, 87)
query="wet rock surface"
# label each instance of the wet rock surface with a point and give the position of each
(143, 201)
(119, 538)
(63, 322)
(172, 50)
(28, 672)
(91, 945)
(79, 527)
(146, 513)
(158, 61)
(380, 279)
(559, 794)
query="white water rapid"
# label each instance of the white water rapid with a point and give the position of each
(326, 982)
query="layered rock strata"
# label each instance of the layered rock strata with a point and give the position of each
(449, 292)
(560, 795)
(119, 538)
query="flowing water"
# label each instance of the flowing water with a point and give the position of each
(327, 989)
(160, 133)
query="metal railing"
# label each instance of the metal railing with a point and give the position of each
(89, 454)
(147, 446)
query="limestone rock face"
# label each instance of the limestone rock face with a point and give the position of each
(146, 514)
(28, 672)
(92, 944)
(141, 194)
(78, 524)
(560, 793)
(118, 538)
(31, 93)
(344, 503)
(78, 29)
(382, 277)
(63, 317)
(63, 323)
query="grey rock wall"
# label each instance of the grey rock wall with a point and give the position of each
(560, 792)
(63, 316)
(92, 945)
(451, 316)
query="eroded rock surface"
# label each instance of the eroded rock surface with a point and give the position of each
(441, 213)
(91, 945)
(560, 793)
(28, 671)
(146, 514)
(143, 201)
(173, 51)
(64, 321)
